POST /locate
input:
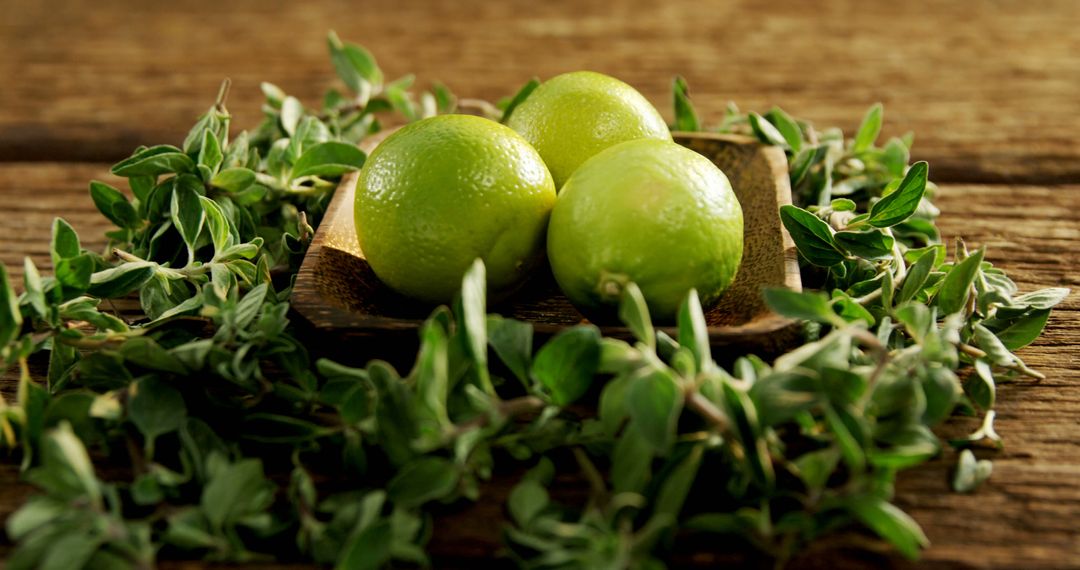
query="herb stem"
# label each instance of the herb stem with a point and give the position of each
(479, 105)
(505, 410)
(223, 95)
(879, 350)
(97, 344)
(592, 475)
(898, 277)
(976, 352)
(706, 409)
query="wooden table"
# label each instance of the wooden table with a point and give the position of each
(992, 90)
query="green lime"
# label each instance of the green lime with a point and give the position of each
(571, 117)
(441, 192)
(649, 212)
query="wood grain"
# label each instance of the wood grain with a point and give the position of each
(990, 88)
(343, 301)
(1024, 517)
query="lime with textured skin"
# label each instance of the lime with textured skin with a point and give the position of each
(649, 212)
(441, 192)
(571, 117)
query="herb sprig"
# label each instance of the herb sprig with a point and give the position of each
(167, 436)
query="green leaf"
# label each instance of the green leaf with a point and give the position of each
(519, 98)
(787, 127)
(909, 445)
(329, 160)
(765, 131)
(512, 341)
(868, 244)
(694, 332)
(156, 408)
(745, 520)
(868, 130)
(901, 203)
(890, 523)
(815, 467)
(942, 389)
(36, 512)
(368, 549)
(70, 551)
(291, 113)
(65, 242)
(66, 469)
(735, 399)
(210, 155)
(445, 101)
(1021, 331)
(677, 484)
(249, 305)
(74, 274)
(631, 462)
(113, 204)
(233, 179)
(355, 66)
(953, 295)
(970, 472)
(804, 160)
(236, 155)
(423, 480)
(473, 312)
(634, 313)
(780, 396)
(10, 315)
(996, 350)
(35, 289)
(146, 352)
(803, 305)
(281, 429)
(217, 225)
(526, 501)
(155, 161)
(118, 281)
(812, 236)
(916, 276)
(850, 310)
(188, 216)
(1041, 299)
(141, 186)
(980, 387)
(686, 118)
(235, 491)
(655, 401)
(400, 99)
(274, 94)
(432, 376)
(567, 363)
(850, 449)
(843, 205)
(310, 131)
(895, 157)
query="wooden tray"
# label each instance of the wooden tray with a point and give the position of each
(340, 297)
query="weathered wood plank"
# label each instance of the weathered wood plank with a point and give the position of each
(991, 89)
(1024, 517)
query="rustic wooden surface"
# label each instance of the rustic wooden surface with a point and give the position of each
(340, 296)
(992, 90)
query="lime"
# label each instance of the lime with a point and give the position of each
(441, 192)
(649, 212)
(571, 117)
